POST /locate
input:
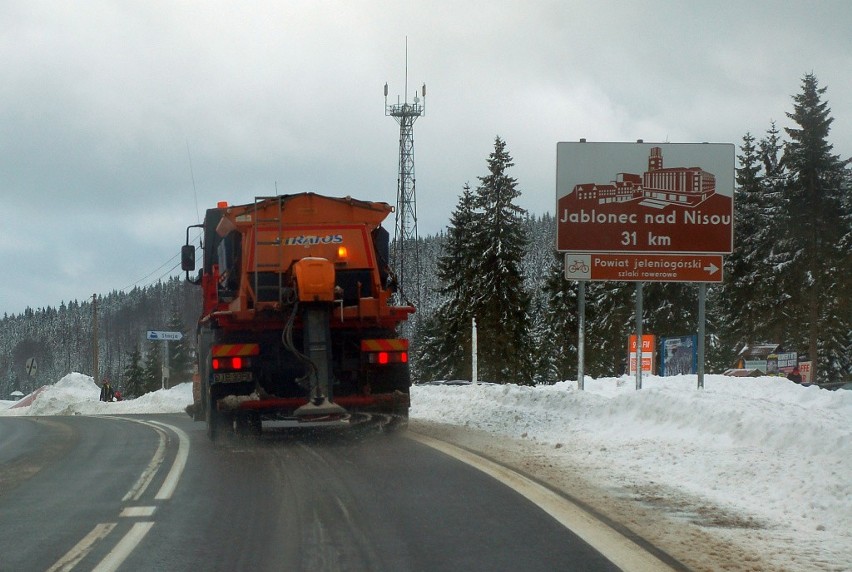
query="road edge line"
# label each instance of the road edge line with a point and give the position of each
(620, 550)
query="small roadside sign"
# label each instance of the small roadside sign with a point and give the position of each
(649, 349)
(643, 267)
(164, 336)
(32, 367)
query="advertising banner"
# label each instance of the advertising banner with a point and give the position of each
(787, 362)
(679, 355)
(806, 372)
(649, 350)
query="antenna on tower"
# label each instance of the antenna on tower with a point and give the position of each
(405, 255)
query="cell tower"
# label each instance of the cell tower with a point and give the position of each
(405, 244)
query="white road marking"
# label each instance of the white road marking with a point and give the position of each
(619, 549)
(132, 539)
(137, 511)
(138, 489)
(124, 547)
(167, 490)
(82, 548)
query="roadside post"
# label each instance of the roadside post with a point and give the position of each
(158, 335)
(473, 351)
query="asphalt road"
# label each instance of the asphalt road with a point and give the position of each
(151, 492)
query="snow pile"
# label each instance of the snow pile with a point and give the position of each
(78, 394)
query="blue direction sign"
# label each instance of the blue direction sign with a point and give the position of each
(164, 336)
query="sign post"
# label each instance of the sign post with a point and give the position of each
(645, 212)
(157, 335)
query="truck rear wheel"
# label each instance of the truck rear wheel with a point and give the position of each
(216, 420)
(397, 421)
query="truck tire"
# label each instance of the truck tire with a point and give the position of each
(216, 420)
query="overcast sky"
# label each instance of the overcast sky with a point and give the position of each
(121, 122)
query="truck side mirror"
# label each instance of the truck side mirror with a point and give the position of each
(187, 257)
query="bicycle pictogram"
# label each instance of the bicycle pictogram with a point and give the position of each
(578, 266)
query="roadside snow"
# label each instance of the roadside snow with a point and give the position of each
(759, 462)
(77, 394)
(763, 462)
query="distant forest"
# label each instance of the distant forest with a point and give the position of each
(787, 282)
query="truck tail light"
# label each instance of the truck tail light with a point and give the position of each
(383, 352)
(234, 363)
(233, 356)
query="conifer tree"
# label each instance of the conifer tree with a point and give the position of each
(501, 301)
(446, 338)
(748, 299)
(610, 317)
(153, 379)
(180, 357)
(134, 374)
(559, 339)
(814, 225)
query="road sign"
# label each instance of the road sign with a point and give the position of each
(629, 267)
(32, 367)
(164, 336)
(645, 197)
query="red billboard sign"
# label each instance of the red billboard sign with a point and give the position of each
(649, 342)
(645, 197)
(628, 267)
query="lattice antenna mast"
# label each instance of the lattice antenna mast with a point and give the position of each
(405, 248)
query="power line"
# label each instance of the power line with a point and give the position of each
(161, 266)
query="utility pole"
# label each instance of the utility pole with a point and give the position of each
(95, 337)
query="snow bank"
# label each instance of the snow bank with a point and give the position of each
(78, 394)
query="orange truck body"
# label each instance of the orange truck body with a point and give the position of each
(297, 319)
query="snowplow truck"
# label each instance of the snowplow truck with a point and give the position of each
(297, 321)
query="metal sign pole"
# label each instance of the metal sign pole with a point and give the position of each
(473, 350)
(166, 367)
(581, 336)
(702, 297)
(638, 336)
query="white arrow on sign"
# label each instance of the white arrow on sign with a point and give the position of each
(164, 336)
(712, 268)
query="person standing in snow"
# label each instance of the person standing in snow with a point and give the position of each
(106, 391)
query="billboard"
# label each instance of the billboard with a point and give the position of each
(645, 197)
(679, 355)
(648, 353)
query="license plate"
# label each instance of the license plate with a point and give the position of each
(232, 377)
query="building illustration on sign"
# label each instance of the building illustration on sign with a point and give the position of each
(645, 198)
(657, 187)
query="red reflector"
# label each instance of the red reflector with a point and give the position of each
(383, 357)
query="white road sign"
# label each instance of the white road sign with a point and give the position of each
(164, 336)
